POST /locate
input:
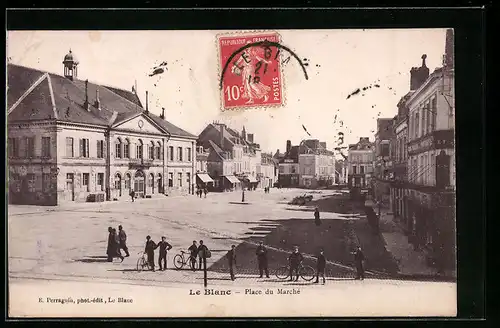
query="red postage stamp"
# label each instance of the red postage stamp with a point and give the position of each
(250, 71)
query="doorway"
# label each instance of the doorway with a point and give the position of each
(70, 185)
(159, 183)
(139, 182)
(118, 184)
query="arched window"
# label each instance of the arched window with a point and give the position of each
(140, 147)
(118, 148)
(126, 149)
(159, 152)
(139, 181)
(128, 181)
(118, 181)
(151, 150)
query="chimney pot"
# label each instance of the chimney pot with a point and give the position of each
(163, 112)
(97, 101)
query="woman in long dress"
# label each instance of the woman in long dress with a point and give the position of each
(253, 88)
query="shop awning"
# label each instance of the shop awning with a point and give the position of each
(205, 177)
(252, 179)
(232, 179)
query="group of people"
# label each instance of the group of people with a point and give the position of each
(202, 252)
(116, 242)
(261, 253)
(201, 190)
(266, 190)
(295, 260)
(149, 249)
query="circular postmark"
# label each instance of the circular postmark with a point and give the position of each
(251, 70)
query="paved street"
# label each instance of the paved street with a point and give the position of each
(67, 244)
(71, 240)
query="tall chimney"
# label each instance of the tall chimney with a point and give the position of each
(86, 104)
(97, 103)
(147, 105)
(449, 49)
(288, 146)
(221, 126)
(163, 113)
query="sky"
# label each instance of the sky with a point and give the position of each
(340, 61)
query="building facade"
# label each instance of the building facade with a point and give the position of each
(383, 160)
(72, 140)
(288, 175)
(360, 159)
(316, 164)
(236, 155)
(266, 171)
(431, 164)
(399, 156)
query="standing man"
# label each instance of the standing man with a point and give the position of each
(132, 194)
(150, 252)
(261, 253)
(201, 253)
(164, 248)
(193, 249)
(122, 236)
(359, 258)
(205, 190)
(231, 258)
(320, 269)
(317, 220)
(295, 260)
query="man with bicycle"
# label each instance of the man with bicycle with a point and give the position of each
(193, 249)
(295, 259)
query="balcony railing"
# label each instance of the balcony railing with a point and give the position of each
(140, 163)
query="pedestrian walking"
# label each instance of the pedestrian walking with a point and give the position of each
(205, 190)
(132, 194)
(320, 266)
(231, 258)
(122, 236)
(295, 259)
(193, 249)
(201, 252)
(261, 253)
(150, 252)
(359, 258)
(317, 220)
(164, 247)
(116, 240)
(110, 251)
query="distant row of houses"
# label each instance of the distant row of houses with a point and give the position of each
(74, 140)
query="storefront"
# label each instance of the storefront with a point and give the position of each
(203, 180)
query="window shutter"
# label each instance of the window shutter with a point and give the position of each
(104, 149)
(81, 148)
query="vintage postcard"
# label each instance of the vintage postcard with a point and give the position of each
(269, 173)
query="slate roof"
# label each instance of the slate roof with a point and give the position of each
(56, 97)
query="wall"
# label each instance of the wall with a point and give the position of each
(124, 170)
(41, 188)
(78, 166)
(184, 167)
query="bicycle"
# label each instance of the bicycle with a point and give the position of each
(305, 271)
(180, 261)
(142, 262)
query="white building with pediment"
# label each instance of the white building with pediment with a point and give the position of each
(73, 140)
